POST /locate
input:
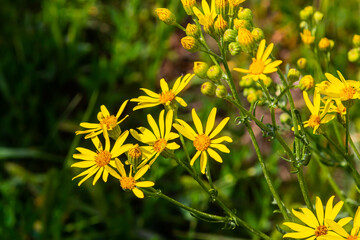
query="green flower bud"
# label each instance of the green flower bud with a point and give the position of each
(306, 82)
(166, 16)
(252, 97)
(115, 132)
(135, 155)
(301, 62)
(246, 40)
(246, 81)
(356, 40)
(293, 75)
(332, 44)
(245, 14)
(230, 35)
(214, 73)
(248, 91)
(234, 48)
(221, 91)
(190, 43)
(192, 30)
(285, 118)
(220, 25)
(318, 16)
(303, 24)
(258, 34)
(208, 89)
(353, 55)
(200, 69)
(188, 6)
(242, 23)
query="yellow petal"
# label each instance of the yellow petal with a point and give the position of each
(104, 111)
(86, 151)
(203, 161)
(144, 184)
(168, 123)
(308, 103)
(337, 228)
(97, 143)
(89, 175)
(298, 227)
(147, 136)
(141, 172)
(148, 105)
(83, 157)
(310, 215)
(164, 86)
(120, 150)
(220, 147)
(214, 155)
(172, 135)
(162, 123)
(105, 175)
(98, 175)
(336, 210)
(299, 235)
(205, 7)
(329, 206)
(357, 218)
(85, 172)
(115, 152)
(210, 122)
(181, 101)
(196, 156)
(121, 109)
(267, 52)
(120, 167)
(319, 211)
(172, 146)
(305, 219)
(107, 140)
(187, 128)
(150, 93)
(183, 131)
(83, 164)
(219, 127)
(153, 126)
(197, 122)
(333, 79)
(342, 222)
(242, 70)
(260, 50)
(89, 125)
(222, 139)
(112, 172)
(138, 193)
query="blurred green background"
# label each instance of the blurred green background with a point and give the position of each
(60, 60)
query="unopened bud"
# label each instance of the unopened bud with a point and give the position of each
(301, 63)
(200, 69)
(220, 7)
(303, 24)
(246, 81)
(234, 48)
(293, 75)
(354, 55)
(245, 14)
(190, 43)
(318, 16)
(208, 89)
(214, 73)
(230, 35)
(356, 40)
(252, 97)
(166, 16)
(324, 44)
(221, 91)
(246, 40)
(242, 23)
(135, 155)
(267, 81)
(192, 30)
(220, 25)
(306, 82)
(258, 34)
(285, 118)
(188, 6)
(306, 13)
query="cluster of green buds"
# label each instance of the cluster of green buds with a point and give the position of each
(252, 89)
(354, 53)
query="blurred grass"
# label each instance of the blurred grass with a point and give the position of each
(60, 60)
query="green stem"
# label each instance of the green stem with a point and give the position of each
(180, 27)
(347, 133)
(354, 147)
(304, 189)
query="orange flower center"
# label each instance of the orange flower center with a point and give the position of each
(160, 145)
(352, 238)
(347, 93)
(110, 122)
(102, 158)
(127, 183)
(166, 97)
(201, 142)
(135, 152)
(257, 67)
(314, 121)
(321, 230)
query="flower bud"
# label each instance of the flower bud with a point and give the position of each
(190, 43)
(354, 55)
(245, 14)
(208, 89)
(301, 63)
(242, 23)
(200, 69)
(230, 35)
(192, 30)
(356, 40)
(246, 40)
(246, 81)
(285, 118)
(258, 34)
(318, 16)
(234, 48)
(220, 7)
(306, 82)
(135, 155)
(303, 24)
(166, 16)
(293, 75)
(306, 13)
(220, 25)
(267, 81)
(306, 37)
(115, 132)
(252, 97)
(324, 44)
(188, 6)
(214, 73)
(221, 91)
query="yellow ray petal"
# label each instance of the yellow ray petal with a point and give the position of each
(260, 50)
(184, 131)
(144, 184)
(85, 172)
(220, 147)
(298, 227)
(310, 215)
(222, 139)
(196, 156)
(112, 172)
(97, 143)
(203, 161)
(164, 86)
(89, 125)
(267, 52)
(88, 176)
(172, 146)
(205, 7)
(299, 235)
(214, 155)
(181, 101)
(319, 211)
(242, 70)
(120, 167)
(141, 172)
(121, 109)
(98, 175)
(138, 193)
(83, 157)
(308, 103)
(147, 105)
(119, 142)
(333, 79)
(172, 135)
(105, 175)
(342, 222)
(328, 207)
(168, 123)
(83, 164)
(219, 127)
(336, 210)
(197, 122)
(104, 111)
(153, 126)
(357, 218)
(150, 93)
(210, 122)
(337, 228)
(305, 219)
(162, 123)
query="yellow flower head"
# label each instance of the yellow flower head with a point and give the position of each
(166, 97)
(166, 16)
(129, 182)
(208, 16)
(317, 117)
(107, 122)
(340, 231)
(220, 25)
(324, 44)
(340, 89)
(101, 161)
(190, 43)
(306, 82)
(235, 3)
(316, 224)
(188, 5)
(306, 37)
(262, 64)
(157, 139)
(203, 140)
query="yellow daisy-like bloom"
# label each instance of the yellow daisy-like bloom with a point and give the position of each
(129, 182)
(317, 117)
(106, 121)
(261, 65)
(340, 89)
(316, 225)
(208, 17)
(100, 162)
(166, 97)
(157, 139)
(306, 37)
(203, 141)
(342, 234)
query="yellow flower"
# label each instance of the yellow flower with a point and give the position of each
(306, 82)
(190, 43)
(100, 162)
(129, 182)
(203, 141)
(166, 97)
(306, 37)
(106, 122)
(261, 65)
(342, 90)
(324, 44)
(157, 139)
(188, 5)
(317, 117)
(316, 225)
(235, 3)
(207, 18)
(166, 16)
(354, 234)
